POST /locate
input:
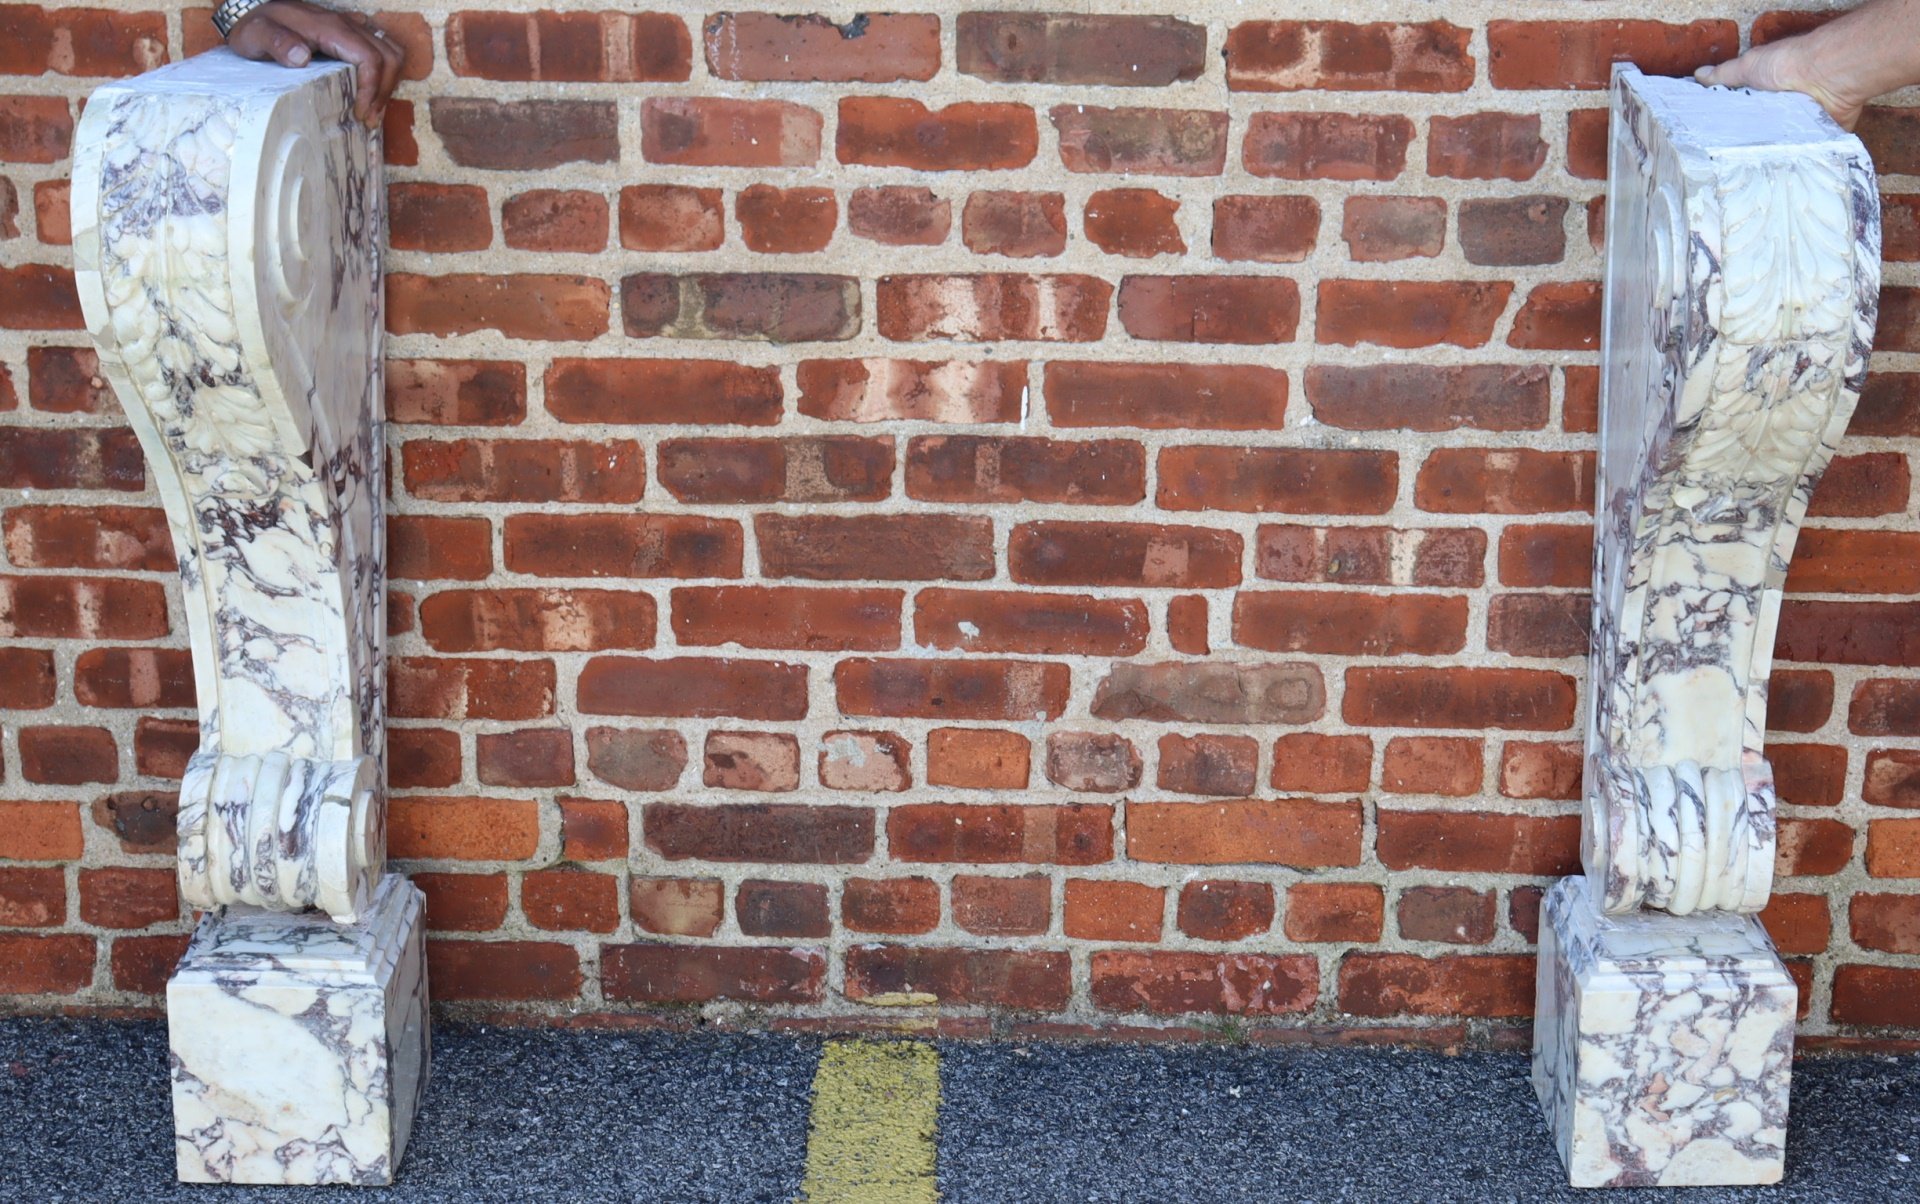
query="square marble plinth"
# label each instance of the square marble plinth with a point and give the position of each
(1662, 1045)
(299, 1046)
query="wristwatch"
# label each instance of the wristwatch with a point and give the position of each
(229, 13)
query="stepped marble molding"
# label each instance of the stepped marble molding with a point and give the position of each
(1742, 286)
(229, 219)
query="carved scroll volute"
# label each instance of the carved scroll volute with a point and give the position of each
(1732, 359)
(228, 220)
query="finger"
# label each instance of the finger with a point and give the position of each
(1731, 74)
(337, 37)
(287, 48)
(395, 61)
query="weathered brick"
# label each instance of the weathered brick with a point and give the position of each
(67, 380)
(1113, 911)
(1511, 699)
(678, 974)
(636, 759)
(569, 47)
(794, 910)
(693, 687)
(1172, 983)
(526, 306)
(1278, 479)
(1166, 396)
(503, 970)
(110, 608)
(902, 547)
(980, 469)
(1876, 995)
(1513, 231)
(1401, 984)
(457, 392)
(871, 48)
(462, 829)
(952, 689)
(26, 679)
(1092, 762)
(525, 759)
(80, 41)
(897, 906)
(536, 620)
(1210, 309)
(897, 131)
(761, 832)
(865, 761)
(671, 217)
(662, 391)
(33, 897)
(1292, 832)
(865, 620)
(40, 830)
(93, 537)
(763, 761)
(1350, 624)
(1581, 54)
(900, 216)
(1150, 142)
(1079, 834)
(1226, 693)
(438, 217)
(1380, 229)
(886, 390)
(1471, 480)
(1311, 763)
(50, 964)
(1454, 915)
(553, 219)
(1047, 624)
(786, 221)
(977, 758)
(993, 306)
(1409, 313)
(1136, 554)
(1208, 764)
(1136, 222)
(38, 296)
(71, 458)
(714, 131)
(1339, 56)
(773, 307)
(622, 545)
(1542, 769)
(143, 678)
(1430, 556)
(1474, 842)
(1264, 229)
(1017, 224)
(571, 900)
(525, 135)
(1486, 146)
(1079, 48)
(989, 906)
(1892, 778)
(677, 906)
(35, 129)
(833, 468)
(1330, 912)
(524, 470)
(1007, 978)
(68, 754)
(1559, 317)
(1429, 397)
(1327, 146)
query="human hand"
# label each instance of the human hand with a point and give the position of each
(1797, 64)
(291, 32)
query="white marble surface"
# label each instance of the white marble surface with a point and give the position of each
(299, 1046)
(1663, 1045)
(1742, 280)
(228, 223)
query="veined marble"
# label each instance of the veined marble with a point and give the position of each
(228, 220)
(1743, 275)
(1662, 1045)
(299, 1046)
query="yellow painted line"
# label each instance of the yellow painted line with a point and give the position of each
(876, 1105)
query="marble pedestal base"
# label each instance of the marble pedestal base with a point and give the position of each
(1662, 1045)
(300, 1046)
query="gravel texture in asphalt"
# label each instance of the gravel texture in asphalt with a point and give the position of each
(537, 1114)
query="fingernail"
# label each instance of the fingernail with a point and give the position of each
(299, 55)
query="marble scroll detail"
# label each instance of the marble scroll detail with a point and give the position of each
(228, 226)
(1742, 285)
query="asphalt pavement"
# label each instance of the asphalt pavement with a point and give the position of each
(517, 1114)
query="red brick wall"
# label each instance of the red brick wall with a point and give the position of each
(1086, 519)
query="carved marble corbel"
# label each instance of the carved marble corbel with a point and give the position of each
(228, 226)
(1742, 284)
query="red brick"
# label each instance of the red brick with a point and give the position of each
(1311, 763)
(1113, 911)
(1893, 848)
(1889, 405)
(1264, 229)
(1818, 847)
(1432, 556)
(1328, 912)
(787, 833)
(94, 537)
(1443, 765)
(593, 830)
(987, 469)
(1123, 554)
(1429, 397)
(26, 679)
(9, 228)
(1542, 769)
(1855, 562)
(1098, 762)
(1559, 317)
(883, 390)
(422, 757)
(527, 306)
(622, 545)
(572, 47)
(946, 689)
(1899, 328)
(1889, 923)
(1581, 54)
(785, 617)
(833, 468)
(1398, 984)
(110, 608)
(503, 970)
(126, 897)
(35, 129)
(525, 759)
(551, 219)
(871, 48)
(676, 974)
(1079, 834)
(1215, 910)
(1208, 764)
(469, 688)
(67, 380)
(1800, 923)
(900, 216)
(1547, 554)
(1339, 56)
(1079, 48)
(671, 217)
(81, 41)
(1799, 700)
(1450, 914)
(1863, 486)
(54, 964)
(1472, 480)
(1350, 624)
(896, 131)
(1020, 224)
(1327, 146)
(396, 134)
(693, 687)
(162, 747)
(977, 758)
(906, 547)
(1511, 699)
(994, 306)
(1050, 624)
(457, 392)
(1187, 625)
(786, 220)
(142, 964)
(1166, 396)
(33, 897)
(1513, 231)
(1034, 981)
(71, 458)
(1543, 625)
(36, 296)
(536, 620)
(1202, 692)
(1892, 777)
(143, 678)
(438, 217)
(765, 761)
(678, 906)
(1809, 775)
(1149, 142)
(1169, 983)
(774, 307)
(1587, 144)
(890, 905)
(1292, 832)
(988, 906)
(1486, 843)
(68, 755)
(40, 831)
(1876, 995)
(663, 391)
(717, 132)
(1278, 479)
(524, 470)
(424, 547)
(463, 902)
(1486, 146)
(865, 761)
(1210, 309)
(1139, 223)
(1409, 313)
(1379, 229)
(462, 829)
(1849, 633)
(525, 135)
(795, 910)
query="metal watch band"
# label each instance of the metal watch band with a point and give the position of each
(229, 13)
